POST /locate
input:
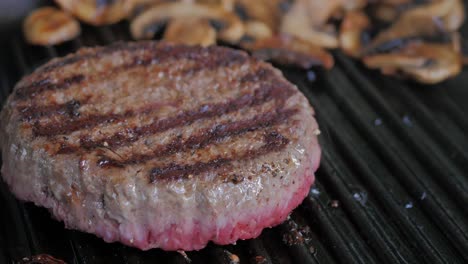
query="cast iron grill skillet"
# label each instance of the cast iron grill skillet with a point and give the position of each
(392, 186)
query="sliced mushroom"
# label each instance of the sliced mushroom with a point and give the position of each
(97, 12)
(450, 11)
(269, 12)
(288, 50)
(351, 32)
(427, 63)
(257, 30)
(228, 25)
(405, 29)
(384, 12)
(190, 31)
(454, 19)
(353, 5)
(50, 26)
(227, 5)
(307, 20)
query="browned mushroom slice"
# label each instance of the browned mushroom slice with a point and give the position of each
(307, 20)
(50, 26)
(450, 11)
(190, 31)
(228, 25)
(98, 12)
(269, 12)
(257, 29)
(351, 31)
(351, 5)
(384, 12)
(406, 28)
(289, 50)
(426, 63)
(454, 19)
(227, 5)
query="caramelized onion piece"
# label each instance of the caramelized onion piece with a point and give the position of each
(351, 30)
(50, 26)
(427, 63)
(288, 50)
(190, 31)
(229, 27)
(97, 12)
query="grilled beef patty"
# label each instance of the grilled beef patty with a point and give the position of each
(160, 146)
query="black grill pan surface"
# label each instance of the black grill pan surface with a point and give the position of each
(392, 185)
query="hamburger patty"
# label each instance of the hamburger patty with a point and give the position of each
(160, 146)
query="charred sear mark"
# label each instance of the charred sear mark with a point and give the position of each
(35, 88)
(68, 109)
(109, 162)
(73, 108)
(225, 58)
(266, 92)
(207, 137)
(32, 112)
(274, 141)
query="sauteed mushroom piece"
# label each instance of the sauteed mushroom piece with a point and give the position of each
(228, 26)
(451, 12)
(289, 50)
(269, 12)
(426, 62)
(405, 29)
(307, 20)
(96, 12)
(50, 26)
(351, 32)
(190, 31)
(257, 30)
(227, 5)
(351, 5)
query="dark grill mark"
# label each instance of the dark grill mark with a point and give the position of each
(69, 109)
(89, 121)
(206, 137)
(73, 107)
(274, 141)
(30, 91)
(267, 92)
(32, 112)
